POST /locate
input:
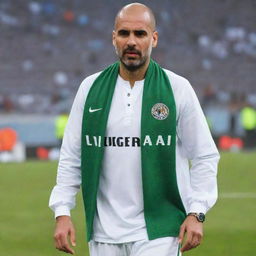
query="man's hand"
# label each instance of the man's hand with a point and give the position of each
(64, 229)
(194, 233)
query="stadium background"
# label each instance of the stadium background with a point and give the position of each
(46, 50)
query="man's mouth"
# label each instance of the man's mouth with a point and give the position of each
(132, 53)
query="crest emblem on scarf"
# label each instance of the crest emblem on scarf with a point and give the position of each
(160, 111)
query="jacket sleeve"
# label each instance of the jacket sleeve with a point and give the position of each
(201, 152)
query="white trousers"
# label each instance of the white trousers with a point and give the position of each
(166, 246)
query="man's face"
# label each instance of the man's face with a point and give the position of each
(133, 39)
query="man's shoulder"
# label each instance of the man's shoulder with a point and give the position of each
(176, 80)
(88, 81)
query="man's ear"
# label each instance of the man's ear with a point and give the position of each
(114, 38)
(155, 39)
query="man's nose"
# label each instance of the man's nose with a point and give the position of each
(131, 40)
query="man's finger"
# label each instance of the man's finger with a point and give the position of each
(65, 245)
(73, 237)
(67, 249)
(186, 247)
(188, 243)
(197, 238)
(195, 242)
(181, 234)
(57, 242)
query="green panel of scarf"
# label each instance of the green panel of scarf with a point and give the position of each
(163, 208)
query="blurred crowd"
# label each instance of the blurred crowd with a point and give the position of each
(48, 47)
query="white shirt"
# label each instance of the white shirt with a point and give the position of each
(119, 217)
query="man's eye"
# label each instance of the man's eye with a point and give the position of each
(140, 33)
(123, 33)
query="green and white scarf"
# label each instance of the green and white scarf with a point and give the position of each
(163, 208)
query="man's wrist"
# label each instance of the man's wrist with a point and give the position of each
(61, 217)
(199, 216)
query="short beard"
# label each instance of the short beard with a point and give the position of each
(134, 67)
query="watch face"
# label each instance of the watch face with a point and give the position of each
(201, 217)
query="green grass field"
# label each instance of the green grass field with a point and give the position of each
(27, 224)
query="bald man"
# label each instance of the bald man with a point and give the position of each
(132, 131)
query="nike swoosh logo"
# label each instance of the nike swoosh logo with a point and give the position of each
(94, 110)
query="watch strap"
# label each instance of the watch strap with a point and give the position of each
(199, 216)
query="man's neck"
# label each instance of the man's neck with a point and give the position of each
(133, 76)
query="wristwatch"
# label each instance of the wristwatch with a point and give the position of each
(200, 216)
